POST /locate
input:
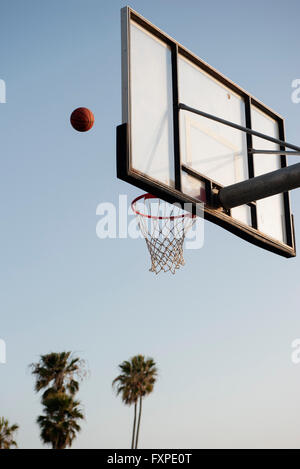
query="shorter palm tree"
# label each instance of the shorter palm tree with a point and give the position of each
(137, 379)
(59, 425)
(7, 434)
(58, 374)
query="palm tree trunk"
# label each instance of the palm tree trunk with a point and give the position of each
(133, 430)
(139, 422)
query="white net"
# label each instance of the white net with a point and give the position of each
(164, 227)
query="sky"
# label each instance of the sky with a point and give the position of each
(221, 329)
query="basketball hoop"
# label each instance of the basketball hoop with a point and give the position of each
(164, 227)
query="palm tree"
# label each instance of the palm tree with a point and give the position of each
(7, 434)
(137, 379)
(146, 380)
(124, 384)
(59, 426)
(58, 374)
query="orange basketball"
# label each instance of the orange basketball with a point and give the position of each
(82, 119)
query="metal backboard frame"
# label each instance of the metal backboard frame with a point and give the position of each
(174, 194)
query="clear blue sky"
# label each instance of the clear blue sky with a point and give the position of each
(221, 329)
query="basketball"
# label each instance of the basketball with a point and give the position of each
(82, 119)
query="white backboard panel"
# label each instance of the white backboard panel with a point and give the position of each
(270, 211)
(166, 148)
(152, 149)
(211, 148)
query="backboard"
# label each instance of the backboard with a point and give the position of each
(180, 156)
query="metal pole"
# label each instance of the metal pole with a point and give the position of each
(259, 187)
(184, 107)
(274, 152)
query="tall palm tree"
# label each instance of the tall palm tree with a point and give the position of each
(7, 434)
(136, 380)
(59, 426)
(146, 380)
(125, 386)
(59, 374)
